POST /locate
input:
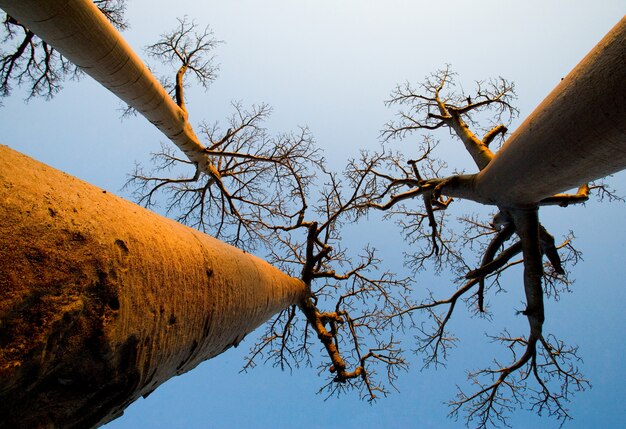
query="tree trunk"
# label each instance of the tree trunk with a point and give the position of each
(577, 134)
(101, 301)
(79, 31)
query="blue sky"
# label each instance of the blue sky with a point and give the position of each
(330, 65)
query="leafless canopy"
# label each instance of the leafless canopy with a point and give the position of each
(269, 198)
(189, 51)
(275, 194)
(542, 373)
(28, 61)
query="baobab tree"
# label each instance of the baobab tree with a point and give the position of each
(314, 254)
(543, 370)
(34, 64)
(83, 330)
(121, 71)
(188, 349)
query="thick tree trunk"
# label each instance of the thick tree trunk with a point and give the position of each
(101, 301)
(577, 134)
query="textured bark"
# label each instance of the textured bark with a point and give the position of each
(577, 134)
(101, 301)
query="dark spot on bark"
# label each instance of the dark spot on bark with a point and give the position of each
(172, 320)
(120, 243)
(35, 256)
(114, 303)
(209, 272)
(102, 279)
(116, 385)
(78, 237)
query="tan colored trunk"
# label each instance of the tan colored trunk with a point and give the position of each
(101, 301)
(577, 134)
(78, 30)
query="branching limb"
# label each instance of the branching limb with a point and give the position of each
(496, 243)
(246, 176)
(548, 247)
(528, 229)
(495, 264)
(353, 335)
(318, 322)
(493, 133)
(433, 105)
(187, 47)
(543, 373)
(188, 50)
(601, 189)
(604, 192)
(565, 200)
(490, 403)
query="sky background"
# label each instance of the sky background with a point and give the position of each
(330, 65)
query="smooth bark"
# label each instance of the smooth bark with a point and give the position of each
(79, 31)
(577, 134)
(101, 301)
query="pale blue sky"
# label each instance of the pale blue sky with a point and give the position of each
(330, 65)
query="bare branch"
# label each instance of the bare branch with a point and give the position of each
(493, 133)
(433, 105)
(27, 61)
(189, 51)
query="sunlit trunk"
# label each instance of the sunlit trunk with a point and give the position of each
(577, 134)
(101, 301)
(78, 30)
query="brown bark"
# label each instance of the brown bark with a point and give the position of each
(479, 151)
(577, 134)
(101, 301)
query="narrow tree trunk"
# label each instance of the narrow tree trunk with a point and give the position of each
(79, 31)
(101, 301)
(577, 134)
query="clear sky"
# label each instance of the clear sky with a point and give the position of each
(330, 65)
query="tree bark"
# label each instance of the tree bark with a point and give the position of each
(577, 134)
(101, 301)
(79, 31)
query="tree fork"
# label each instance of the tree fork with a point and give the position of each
(83, 34)
(101, 301)
(576, 135)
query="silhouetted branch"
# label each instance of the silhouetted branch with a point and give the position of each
(28, 61)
